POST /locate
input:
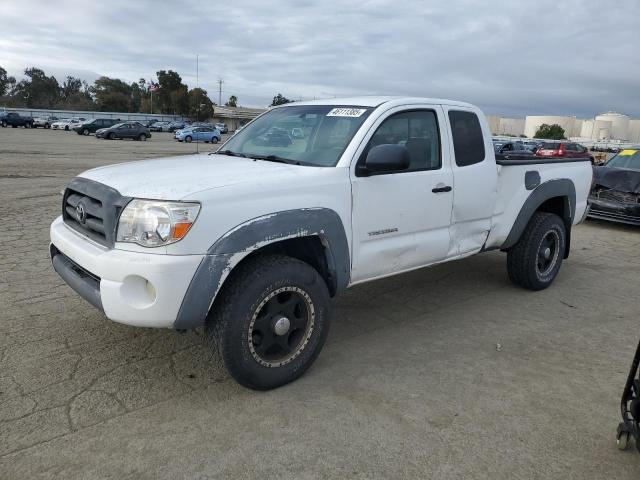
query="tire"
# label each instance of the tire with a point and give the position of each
(46, 125)
(214, 140)
(66, 128)
(259, 292)
(85, 132)
(4, 124)
(28, 125)
(111, 136)
(534, 261)
(188, 139)
(14, 126)
(142, 137)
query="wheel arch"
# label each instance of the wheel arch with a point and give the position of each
(554, 196)
(314, 235)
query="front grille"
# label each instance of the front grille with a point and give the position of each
(619, 197)
(93, 209)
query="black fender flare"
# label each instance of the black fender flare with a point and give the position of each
(563, 188)
(254, 234)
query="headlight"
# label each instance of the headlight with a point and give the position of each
(152, 223)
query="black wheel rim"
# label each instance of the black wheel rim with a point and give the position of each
(548, 253)
(281, 326)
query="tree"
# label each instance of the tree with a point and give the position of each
(233, 101)
(279, 100)
(6, 83)
(200, 105)
(173, 96)
(112, 95)
(550, 132)
(37, 90)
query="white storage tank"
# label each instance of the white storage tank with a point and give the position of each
(619, 129)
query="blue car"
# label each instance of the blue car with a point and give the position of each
(198, 134)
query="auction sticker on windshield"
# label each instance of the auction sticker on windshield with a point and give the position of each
(628, 153)
(346, 112)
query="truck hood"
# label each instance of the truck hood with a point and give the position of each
(174, 178)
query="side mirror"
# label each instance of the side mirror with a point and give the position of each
(387, 158)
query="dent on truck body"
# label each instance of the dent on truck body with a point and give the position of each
(228, 251)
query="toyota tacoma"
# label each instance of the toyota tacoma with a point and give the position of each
(252, 242)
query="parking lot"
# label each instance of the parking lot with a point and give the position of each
(446, 372)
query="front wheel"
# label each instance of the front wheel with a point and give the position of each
(66, 128)
(85, 132)
(4, 124)
(534, 261)
(111, 136)
(270, 322)
(188, 139)
(46, 125)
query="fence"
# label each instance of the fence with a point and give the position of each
(36, 112)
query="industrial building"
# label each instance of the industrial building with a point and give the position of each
(605, 127)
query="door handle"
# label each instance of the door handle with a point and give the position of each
(441, 189)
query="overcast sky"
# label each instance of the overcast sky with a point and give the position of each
(575, 57)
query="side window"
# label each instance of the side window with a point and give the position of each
(468, 141)
(418, 131)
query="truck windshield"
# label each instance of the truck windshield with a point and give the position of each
(315, 135)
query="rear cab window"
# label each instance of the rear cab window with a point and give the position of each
(468, 140)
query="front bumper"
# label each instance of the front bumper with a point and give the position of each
(139, 289)
(614, 211)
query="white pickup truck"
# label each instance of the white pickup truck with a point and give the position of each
(252, 241)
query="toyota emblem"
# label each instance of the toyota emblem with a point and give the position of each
(81, 214)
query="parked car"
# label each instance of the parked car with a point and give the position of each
(222, 127)
(173, 126)
(512, 150)
(160, 127)
(562, 150)
(615, 195)
(15, 120)
(44, 122)
(92, 126)
(148, 123)
(276, 137)
(67, 123)
(198, 134)
(132, 130)
(253, 241)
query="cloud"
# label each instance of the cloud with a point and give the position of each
(512, 58)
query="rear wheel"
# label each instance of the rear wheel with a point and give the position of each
(534, 261)
(46, 125)
(214, 140)
(66, 128)
(142, 137)
(270, 322)
(4, 124)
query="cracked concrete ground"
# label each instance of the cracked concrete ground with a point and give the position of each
(410, 384)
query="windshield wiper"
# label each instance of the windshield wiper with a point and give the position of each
(229, 153)
(275, 158)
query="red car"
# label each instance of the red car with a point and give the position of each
(563, 150)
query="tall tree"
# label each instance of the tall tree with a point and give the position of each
(112, 95)
(200, 105)
(37, 90)
(233, 101)
(280, 100)
(6, 82)
(173, 95)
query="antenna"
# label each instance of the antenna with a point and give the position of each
(220, 82)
